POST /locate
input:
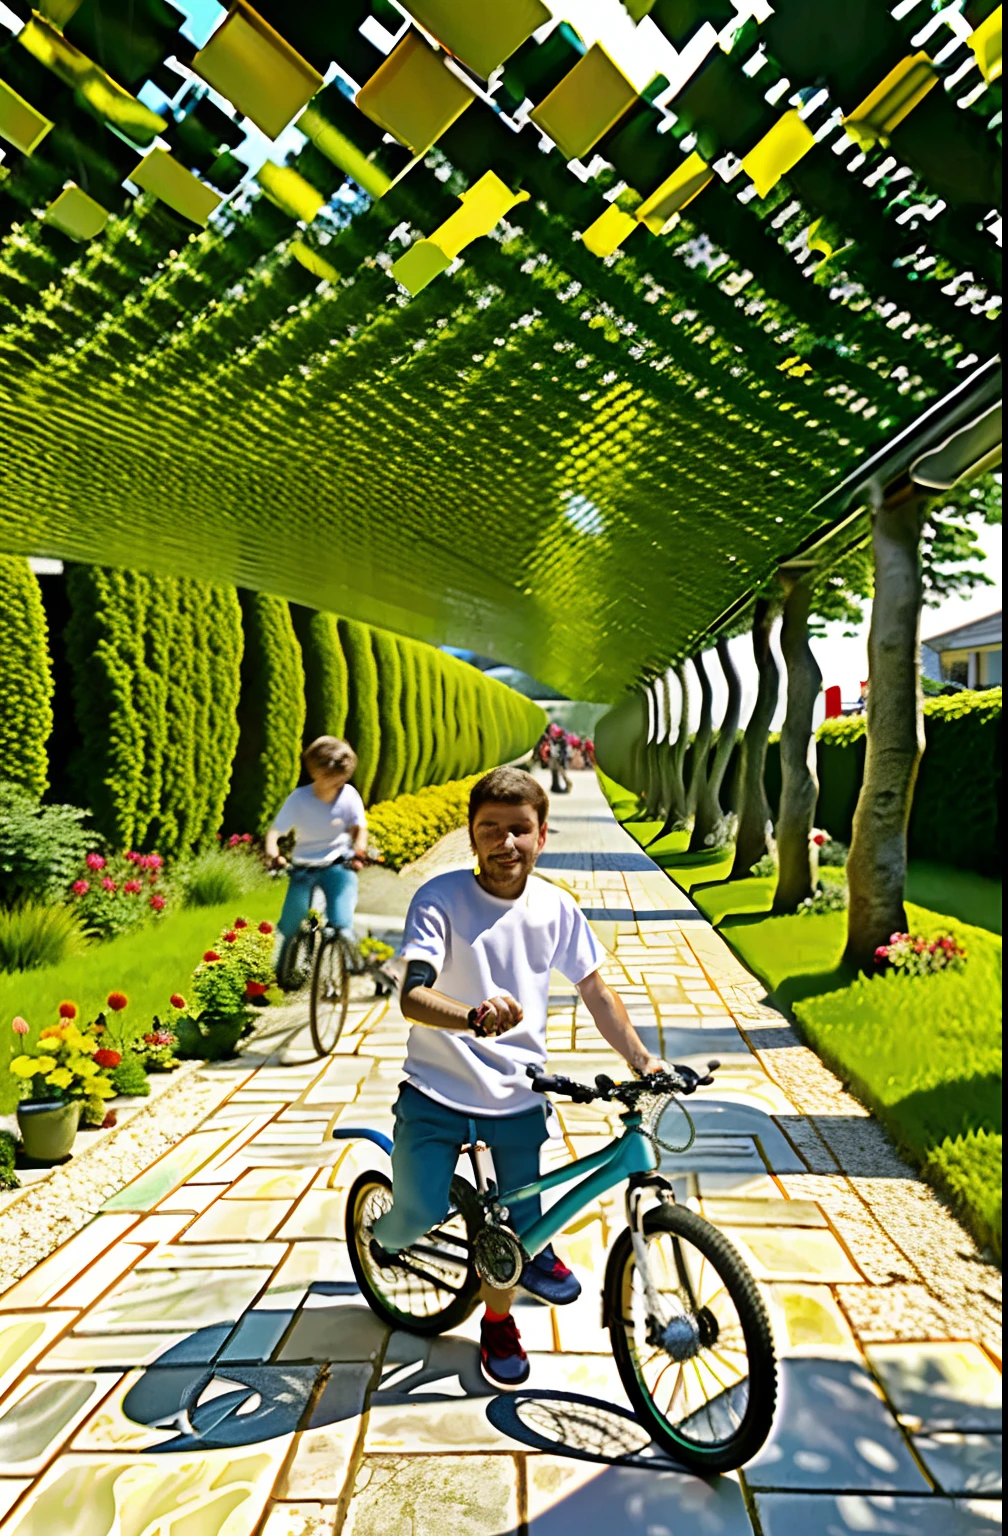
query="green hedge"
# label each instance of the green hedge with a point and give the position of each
(392, 752)
(363, 727)
(326, 680)
(408, 665)
(26, 684)
(956, 815)
(406, 827)
(271, 715)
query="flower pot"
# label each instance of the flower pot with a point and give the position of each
(48, 1128)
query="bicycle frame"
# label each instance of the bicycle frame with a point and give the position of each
(629, 1154)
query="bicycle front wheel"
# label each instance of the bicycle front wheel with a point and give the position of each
(330, 993)
(696, 1357)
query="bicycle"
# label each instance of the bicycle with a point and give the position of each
(690, 1333)
(340, 970)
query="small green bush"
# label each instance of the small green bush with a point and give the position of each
(35, 935)
(26, 684)
(42, 847)
(218, 876)
(129, 1077)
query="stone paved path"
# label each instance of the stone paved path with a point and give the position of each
(196, 1361)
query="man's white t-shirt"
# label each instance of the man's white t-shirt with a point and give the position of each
(481, 946)
(322, 828)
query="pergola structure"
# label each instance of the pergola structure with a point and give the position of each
(504, 352)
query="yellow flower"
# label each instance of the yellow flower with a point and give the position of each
(85, 1068)
(61, 1078)
(53, 1032)
(49, 1045)
(27, 1066)
(101, 1087)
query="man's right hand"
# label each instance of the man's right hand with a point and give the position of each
(499, 1014)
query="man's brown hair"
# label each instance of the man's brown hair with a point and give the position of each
(508, 786)
(331, 754)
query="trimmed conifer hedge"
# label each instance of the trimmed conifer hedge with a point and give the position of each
(326, 682)
(388, 781)
(408, 710)
(363, 728)
(26, 684)
(271, 715)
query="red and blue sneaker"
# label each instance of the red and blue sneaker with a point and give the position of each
(548, 1279)
(502, 1358)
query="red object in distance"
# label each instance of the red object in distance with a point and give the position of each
(832, 702)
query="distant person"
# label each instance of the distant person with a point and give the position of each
(330, 839)
(560, 783)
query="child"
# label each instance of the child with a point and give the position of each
(489, 940)
(328, 821)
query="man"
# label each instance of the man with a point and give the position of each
(330, 839)
(489, 939)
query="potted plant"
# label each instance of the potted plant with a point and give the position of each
(62, 1080)
(229, 981)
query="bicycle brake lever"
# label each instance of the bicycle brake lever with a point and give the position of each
(604, 1084)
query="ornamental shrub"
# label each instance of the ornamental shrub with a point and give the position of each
(129, 1077)
(325, 672)
(271, 714)
(409, 667)
(425, 718)
(8, 1156)
(26, 684)
(41, 846)
(363, 729)
(404, 828)
(392, 754)
(36, 934)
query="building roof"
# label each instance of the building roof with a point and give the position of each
(968, 637)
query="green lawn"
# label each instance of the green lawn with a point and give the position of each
(148, 966)
(924, 1053)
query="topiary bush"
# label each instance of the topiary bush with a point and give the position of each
(404, 828)
(408, 709)
(129, 1077)
(325, 672)
(26, 685)
(271, 715)
(392, 756)
(363, 728)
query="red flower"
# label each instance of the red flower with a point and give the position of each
(95, 861)
(240, 922)
(134, 887)
(255, 989)
(81, 887)
(117, 1001)
(176, 999)
(210, 955)
(157, 902)
(820, 838)
(265, 927)
(107, 1058)
(108, 884)
(159, 1037)
(234, 840)
(229, 936)
(131, 857)
(68, 1010)
(19, 1025)
(154, 861)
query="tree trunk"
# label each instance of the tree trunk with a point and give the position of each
(702, 740)
(797, 863)
(876, 866)
(677, 813)
(709, 811)
(654, 798)
(665, 747)
(754, 815)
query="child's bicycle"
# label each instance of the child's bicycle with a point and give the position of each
(340, 969)
(690, 1334)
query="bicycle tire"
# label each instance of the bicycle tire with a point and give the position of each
(433, 1319)
(330, 993)
(726, 1454)
(295, 965)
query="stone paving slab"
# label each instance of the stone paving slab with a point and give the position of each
(196, 1360)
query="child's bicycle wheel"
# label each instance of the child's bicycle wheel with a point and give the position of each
(295, 964)
(701, 1375)
(431, 1287)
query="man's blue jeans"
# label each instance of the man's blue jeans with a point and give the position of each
(337, 884)
(428, 1138)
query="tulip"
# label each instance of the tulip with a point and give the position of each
(20, 1025)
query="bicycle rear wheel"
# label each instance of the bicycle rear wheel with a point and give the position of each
(295, 964)
(330, 993)
(701, 1375)
(431, 1287)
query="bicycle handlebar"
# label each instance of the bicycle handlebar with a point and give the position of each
(681, 1079)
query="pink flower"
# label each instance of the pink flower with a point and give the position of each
(95, 861)
(68, 1010)
(131, 857)
(234, 840)
(265, 927)
(81, 887)
(117, 1001)
(108, 884)
(176, 999)
(154, 861)
(157, 902)
(240, 922)
(210, 955)
(881, 953)
(159, 1037)
(133, 887)
(246, 837)
(20, 1025)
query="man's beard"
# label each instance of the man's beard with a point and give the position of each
(506, 879)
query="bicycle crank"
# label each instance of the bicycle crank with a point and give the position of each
(498, 1257)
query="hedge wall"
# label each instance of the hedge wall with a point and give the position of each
(26, 683)
(271, 715)
(409, 710)
(956, 815)
(392, 751)
(326, 682)
(363, 729)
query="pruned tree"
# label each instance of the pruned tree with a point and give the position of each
(709, 775)
(754, 810)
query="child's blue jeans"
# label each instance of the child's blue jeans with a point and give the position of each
(338, 885)
(428, 1138)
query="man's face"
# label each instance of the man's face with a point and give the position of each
(507, 839)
